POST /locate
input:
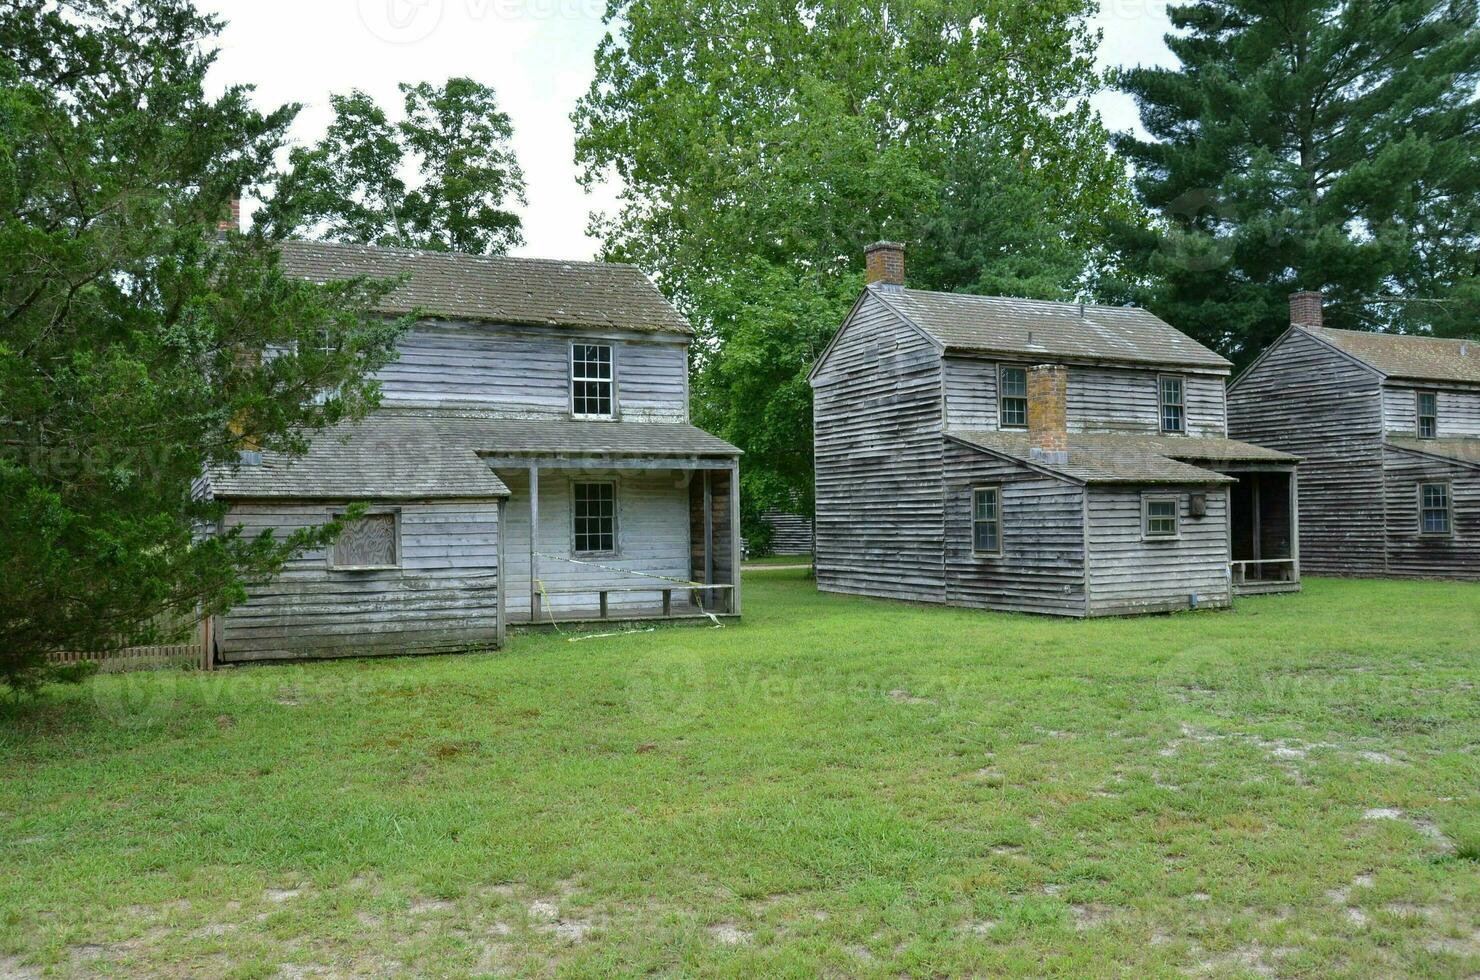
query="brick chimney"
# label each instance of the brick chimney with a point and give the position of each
(1048, 413)
(232, 221)
(1305, 308)
(884, 263)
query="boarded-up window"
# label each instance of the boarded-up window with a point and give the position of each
(1160, 516)
(591, 380)
(1012, 406)
(1434, 509)
(595, 508)
(368, 542)
(986, 521)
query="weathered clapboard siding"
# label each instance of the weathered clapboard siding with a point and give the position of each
(791, 534)
(1041, 568)
(1127, 400)
(1308, 399)
(443, 597)
(1100, 399)
(652, 539)
(1412, 554)
(1459, 409)
(525, 371)
(877, 436)
(971, 392)
(1129, 573)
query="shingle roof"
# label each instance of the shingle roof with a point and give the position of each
(1407, 355)
(380, 458)
(410, 455)
(1198, 449)
(1035, 328)
(496, 288)
(1114, 458)
(1459, 450)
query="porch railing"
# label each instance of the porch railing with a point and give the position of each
(1239, 570)
(695, 591)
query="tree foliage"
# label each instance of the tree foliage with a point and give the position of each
(1317, 144)
(136, 346)
(761, 145)
(349, 186)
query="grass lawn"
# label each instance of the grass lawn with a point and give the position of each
(837, 785)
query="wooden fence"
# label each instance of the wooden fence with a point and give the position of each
(195, 651)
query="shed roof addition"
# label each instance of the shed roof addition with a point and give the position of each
(1116, 458)
(1407, 356)
(1040, 329)
(395, 455)
(1455, 449)
(503, 289)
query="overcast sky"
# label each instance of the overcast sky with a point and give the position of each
(537, 55)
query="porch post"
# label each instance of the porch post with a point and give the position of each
(735, 538)
(1295, 524)
(708, 541)
(500, 579)
(534, 540)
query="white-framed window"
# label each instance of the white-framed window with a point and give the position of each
(594, 513)
(1012, 397)
(592, 390)
(986, 520)
(1161, 515)
(1427, 406)
(1172, 399)
(368, 542)
(1435, 509)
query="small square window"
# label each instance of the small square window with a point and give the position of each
(1173, 405)
(594, 510)
(1436, 515)
(591, 389)
(1428, 415)
(367, 542)
(1160, 516)
(986, 521)
(1012, 405)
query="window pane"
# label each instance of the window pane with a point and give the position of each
(595, 518)
(986, 536)
(1015, 411)
(1015, 382)
(591, 379)
(1171, 418)
(1161, 518)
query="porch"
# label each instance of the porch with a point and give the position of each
(1264, 530)
(614, 537)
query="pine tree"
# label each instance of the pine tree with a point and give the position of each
(1310, 144)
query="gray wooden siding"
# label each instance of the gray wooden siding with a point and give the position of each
(971, 393)
(791, 534)
(1100, 399)
(525, 372)
(1411, 554)
(1459, 409)
(1131, 574)
(443, 597)
(1041, 569)
(1309, 400)
(652, 537)
(877, 424)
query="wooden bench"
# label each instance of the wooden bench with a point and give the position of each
(603, 592)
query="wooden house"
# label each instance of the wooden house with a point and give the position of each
(1389, 426)
(1042, 457)
(532, 461)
